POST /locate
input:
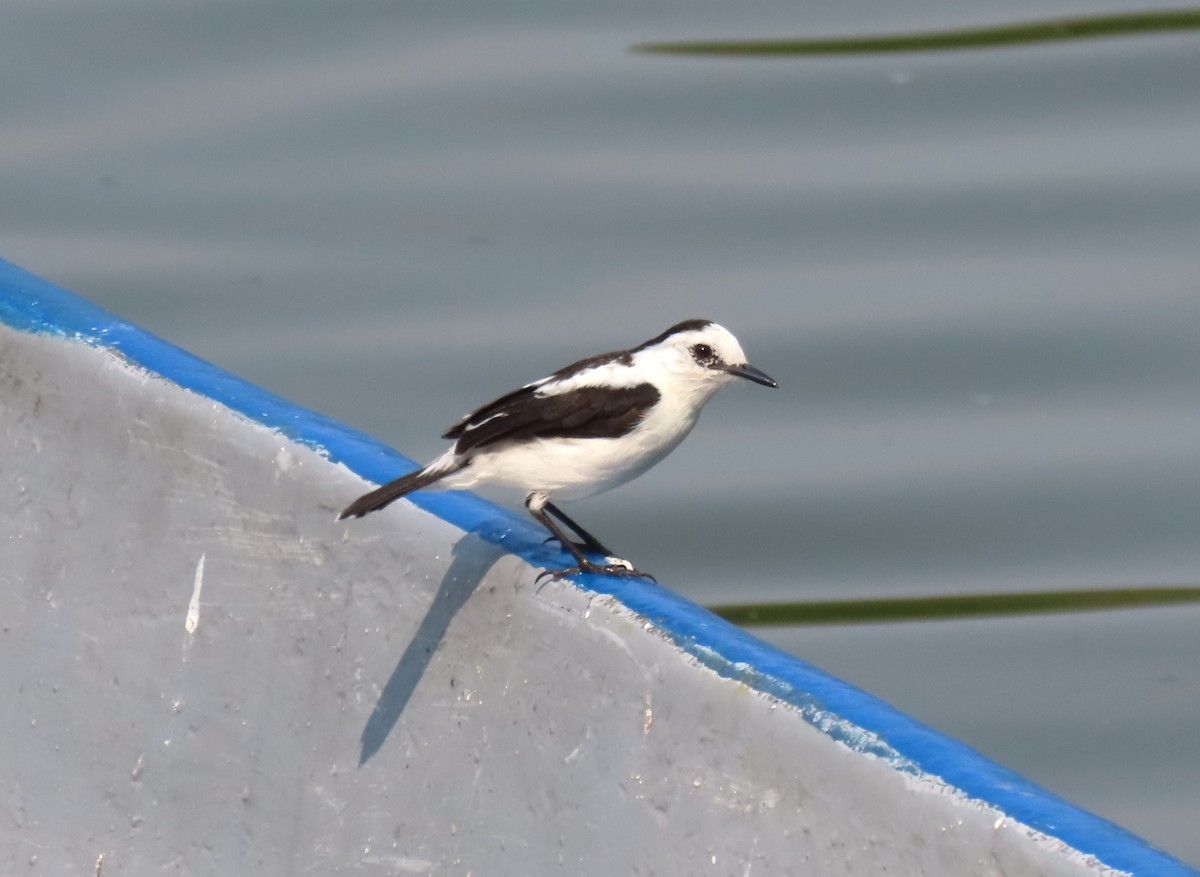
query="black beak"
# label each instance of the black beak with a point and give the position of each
(750, 373)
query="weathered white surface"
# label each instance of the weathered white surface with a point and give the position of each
(501, 730)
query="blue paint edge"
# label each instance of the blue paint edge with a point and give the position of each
(860, 721)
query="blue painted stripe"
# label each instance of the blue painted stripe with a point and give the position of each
(857, 719)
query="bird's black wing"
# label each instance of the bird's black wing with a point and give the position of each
(494, 407)
(585, 412)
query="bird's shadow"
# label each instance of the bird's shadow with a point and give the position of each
(472, 557)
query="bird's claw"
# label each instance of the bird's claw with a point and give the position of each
(620, 569)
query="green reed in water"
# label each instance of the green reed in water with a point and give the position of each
(1022, 33)
(867, 611)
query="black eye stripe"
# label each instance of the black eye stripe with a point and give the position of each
(703, 354)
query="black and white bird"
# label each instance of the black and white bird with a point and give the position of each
(585, 429)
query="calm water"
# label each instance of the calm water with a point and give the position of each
(976, 276)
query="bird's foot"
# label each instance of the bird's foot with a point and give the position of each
(616, 566)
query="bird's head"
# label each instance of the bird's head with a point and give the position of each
(703, 356)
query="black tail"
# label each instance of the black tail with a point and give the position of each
(393, 490)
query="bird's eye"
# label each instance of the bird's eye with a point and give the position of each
(703, 354)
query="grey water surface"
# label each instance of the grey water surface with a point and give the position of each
(975, 275)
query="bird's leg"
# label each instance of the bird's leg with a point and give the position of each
(589, 543)
(536, 503)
